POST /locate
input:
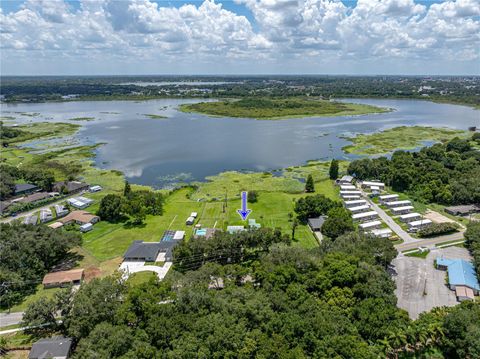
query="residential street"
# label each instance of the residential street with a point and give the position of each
(7, 319)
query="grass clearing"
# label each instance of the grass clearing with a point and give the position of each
(40, 292)
(402, 137)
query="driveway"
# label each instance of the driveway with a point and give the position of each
(135, 267)
(394, 226)
(421, 287)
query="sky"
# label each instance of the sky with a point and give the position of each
(142, 37)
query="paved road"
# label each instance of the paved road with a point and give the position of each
(7, 319)
(394, 226)
(430, 242)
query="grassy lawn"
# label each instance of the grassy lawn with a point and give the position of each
(276, 109)
(400, 138)
(140, 277)
(418, 254)
(39, 293)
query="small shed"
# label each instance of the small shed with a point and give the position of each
(316, 223)
(86, 227)
(190, 220)
(63, 278)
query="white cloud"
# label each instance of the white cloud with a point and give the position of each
(282, 31)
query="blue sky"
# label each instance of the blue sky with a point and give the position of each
(239, 37)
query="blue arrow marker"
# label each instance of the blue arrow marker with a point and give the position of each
(244, 212)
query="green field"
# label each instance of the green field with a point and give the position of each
(276, 109)
(397, 138)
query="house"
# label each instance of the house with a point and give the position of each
(382, 233)
(370, 184)
(462, 277)
(235, 229)
(368, 226)
(63, 278)
(79, 217)
(143, 251)
(190, 220)
(24, 188)
(416, 225)
(61, 210)
(396, 211)
(463, 210)
(355, 203)
(359, 209)
(80, 202)
(347, 194)
(56, 347)
(30, 219)
(365, 216)
(151, 251)
(398, 203)
(346, 187)
(316, 223)
(93, 189)
(46, 215)
(70, 187)
(410, 217)
(345, 180)
(35, 197)
(86, 227)
(388, 198)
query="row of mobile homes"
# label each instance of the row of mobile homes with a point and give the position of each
(368, 226)
(359, 209)
(373, 185)
(365, 216)
(388, 198)
(355, 203)
(410, 217)
(345, 180)
(397, 211)
(382, 233)
(399, 203)
(417, 225)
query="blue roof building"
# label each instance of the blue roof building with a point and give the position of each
(460, 273)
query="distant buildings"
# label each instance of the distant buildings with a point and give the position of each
(70, 187)
(80, 202)
(79, 217)
(463, 210)
(24, 188)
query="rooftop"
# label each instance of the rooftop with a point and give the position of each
(57, 347)
(34, 197)
(23, 187)
(460, 272)
(78, 216)
(63, 276)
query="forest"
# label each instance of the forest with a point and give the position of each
(445, 173)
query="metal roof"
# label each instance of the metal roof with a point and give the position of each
(58, 347)
(460, 272)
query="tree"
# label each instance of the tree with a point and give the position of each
(309, 184)
(127, 189)
(313, 206)
(110, 208)
(252, 196)
(40, 315)
(294, 227)
(333, 172)
(338, 222)
(137, 210)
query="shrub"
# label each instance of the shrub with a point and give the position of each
(436, 229)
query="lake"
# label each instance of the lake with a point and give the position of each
(189, 147)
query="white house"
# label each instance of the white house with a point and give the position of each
(46, 215)
(365, 216)
(416, 225)
(396, 211)
(359, 209)
(345, 180)
(346, 187)
(350, 197)
(410, 217)
(382, 233)
(355, 203)
(370, 225)
(370, 184)
(388, 198)
(86, 227)
(399, 203)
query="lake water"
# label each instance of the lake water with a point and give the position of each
(188, 147)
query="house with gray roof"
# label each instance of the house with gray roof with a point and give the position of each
(149, 251)
(24, 188)
(56, 347)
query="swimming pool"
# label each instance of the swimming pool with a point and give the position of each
(201, 232)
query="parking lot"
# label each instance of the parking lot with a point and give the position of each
(421, 287)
